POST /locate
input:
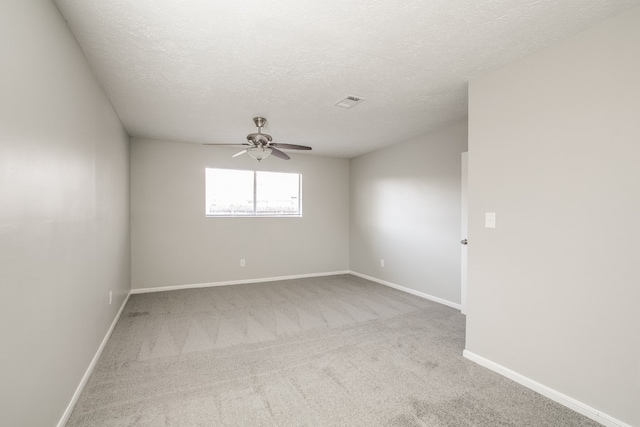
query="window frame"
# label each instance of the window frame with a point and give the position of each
(255, 213)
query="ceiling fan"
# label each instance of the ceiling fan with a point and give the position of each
(260, 144)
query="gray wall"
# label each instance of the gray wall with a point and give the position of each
(554, 149)
(405, 209)
(173, 243)
(64, 233)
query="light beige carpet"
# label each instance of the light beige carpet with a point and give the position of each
(327, 351)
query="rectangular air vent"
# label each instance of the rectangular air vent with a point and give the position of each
(349, 101)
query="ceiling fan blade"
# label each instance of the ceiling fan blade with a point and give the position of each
(279, 153)
(240, 152)
(242, 143)
(290, 146)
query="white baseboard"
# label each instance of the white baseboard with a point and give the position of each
(87, 374)
(409, 291)
(234, 282)
(542, 389)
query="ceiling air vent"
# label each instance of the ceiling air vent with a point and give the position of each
(349, 101)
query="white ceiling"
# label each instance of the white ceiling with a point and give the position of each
(200, 70)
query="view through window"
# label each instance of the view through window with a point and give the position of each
(231, 192)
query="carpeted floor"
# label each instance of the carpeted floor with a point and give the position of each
(326, 351)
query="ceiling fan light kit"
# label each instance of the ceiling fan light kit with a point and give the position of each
(261, 145)
(259, 153)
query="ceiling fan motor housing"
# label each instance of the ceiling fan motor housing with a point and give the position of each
(259, 138)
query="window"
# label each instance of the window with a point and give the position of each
(232, 192)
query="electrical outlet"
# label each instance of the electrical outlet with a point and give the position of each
(242, 263)
(110, 297)
(381, 263)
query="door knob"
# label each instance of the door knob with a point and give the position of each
(463, 241)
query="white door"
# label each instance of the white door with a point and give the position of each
(463, 236)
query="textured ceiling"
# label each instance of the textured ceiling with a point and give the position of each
(200, 70)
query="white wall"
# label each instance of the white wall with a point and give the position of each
(554, 149)
(64, 234)
(405, 209)
(173, 243)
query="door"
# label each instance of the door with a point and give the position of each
(463, 235)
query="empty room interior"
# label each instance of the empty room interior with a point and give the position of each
(394, 213)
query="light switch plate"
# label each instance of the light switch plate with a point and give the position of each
(490, 220)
